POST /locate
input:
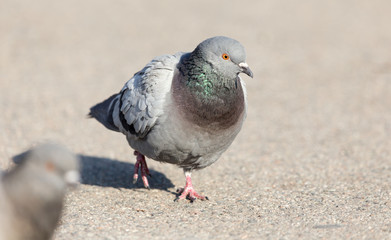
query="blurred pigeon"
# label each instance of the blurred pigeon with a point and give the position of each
(184, 109)
(32, 193)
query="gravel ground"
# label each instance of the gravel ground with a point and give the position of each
(313, 160)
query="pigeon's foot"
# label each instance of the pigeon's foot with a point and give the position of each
(140, 162)
(188, 191)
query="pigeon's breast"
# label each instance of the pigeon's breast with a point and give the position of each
(192, 133)
(190, 146)
(195, 138)
(176, 140)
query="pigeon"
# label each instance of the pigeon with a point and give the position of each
(32, 193)
(184, 109)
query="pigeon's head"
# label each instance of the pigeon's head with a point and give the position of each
(51, 162)
(226, 55)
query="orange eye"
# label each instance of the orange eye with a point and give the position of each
(225, 56)
(50, 166)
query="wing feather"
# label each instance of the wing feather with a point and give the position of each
(143, 96)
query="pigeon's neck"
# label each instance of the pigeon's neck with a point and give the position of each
(205, 97)
(203, 80)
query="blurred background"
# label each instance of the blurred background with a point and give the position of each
(319, 113)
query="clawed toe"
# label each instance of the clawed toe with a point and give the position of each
(188, 191)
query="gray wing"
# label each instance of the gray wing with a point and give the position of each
(142, 99)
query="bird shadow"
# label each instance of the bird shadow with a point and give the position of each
(106, 172)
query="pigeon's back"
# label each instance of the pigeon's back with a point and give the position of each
(136, 108)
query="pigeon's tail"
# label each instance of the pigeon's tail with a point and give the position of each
(103, 112)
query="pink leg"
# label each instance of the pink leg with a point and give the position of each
(140, 162)
(188, 191)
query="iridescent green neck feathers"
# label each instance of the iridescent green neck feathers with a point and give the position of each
(203, 80)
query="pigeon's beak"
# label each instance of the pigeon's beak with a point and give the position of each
(246, 69)
(72, 177)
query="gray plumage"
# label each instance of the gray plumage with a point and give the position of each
(184, 109)
(32, 193)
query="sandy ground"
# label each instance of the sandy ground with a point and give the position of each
(313, 160)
